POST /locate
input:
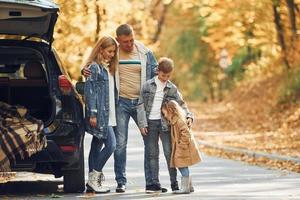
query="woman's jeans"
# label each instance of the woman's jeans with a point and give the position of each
(98, 156)
(151, 153)
(184, 171)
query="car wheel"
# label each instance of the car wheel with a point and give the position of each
(74, 179)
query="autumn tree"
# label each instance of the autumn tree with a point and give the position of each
(261, 37)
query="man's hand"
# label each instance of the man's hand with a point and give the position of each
(93, 122)
(144, 131)
(189, 122)
(86, 72)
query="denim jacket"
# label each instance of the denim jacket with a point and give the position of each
(148, 64)
(97, 100)
(146, 101)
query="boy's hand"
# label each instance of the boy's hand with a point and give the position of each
(86, 72)
(144, 131)
(189, 122)
(93, 122)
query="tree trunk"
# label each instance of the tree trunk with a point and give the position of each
(280, 31)
(211, 90)
(98, 20)
(85, 7)
(209, 82)
(161, 20)
(292, 15)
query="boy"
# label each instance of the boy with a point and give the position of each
(152, 125)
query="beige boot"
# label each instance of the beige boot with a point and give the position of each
(185, 186)
(95, 182)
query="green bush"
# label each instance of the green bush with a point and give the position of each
(290, 89)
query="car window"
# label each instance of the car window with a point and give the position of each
(12, 71)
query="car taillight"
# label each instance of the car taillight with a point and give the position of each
(68, 148)
(64, 85)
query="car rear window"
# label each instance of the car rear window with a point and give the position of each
(13, 61)
(12, 71)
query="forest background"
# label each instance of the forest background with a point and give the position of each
(237, 62)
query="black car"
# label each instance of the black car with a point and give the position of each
(31, 75)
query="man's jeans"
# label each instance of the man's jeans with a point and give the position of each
(151, 153)
(98, 156)
(126, 108)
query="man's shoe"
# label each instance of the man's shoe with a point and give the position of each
(174, 186)
(120, 188)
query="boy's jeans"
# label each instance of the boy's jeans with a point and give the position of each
(98, 156)
(126, 108)
(151, 153)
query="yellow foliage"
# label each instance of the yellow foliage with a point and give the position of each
(231, 24)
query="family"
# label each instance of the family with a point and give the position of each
(123, 80)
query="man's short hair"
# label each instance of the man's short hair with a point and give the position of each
(165, 65)
(124, 29)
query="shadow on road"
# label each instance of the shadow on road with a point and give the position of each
(31, 187)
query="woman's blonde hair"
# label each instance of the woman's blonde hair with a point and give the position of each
(174, 109)
(95, 56)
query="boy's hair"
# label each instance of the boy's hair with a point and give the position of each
(165, 65)
(124, 29)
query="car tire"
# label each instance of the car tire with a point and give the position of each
(74, 180)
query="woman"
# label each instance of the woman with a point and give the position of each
(100, 109)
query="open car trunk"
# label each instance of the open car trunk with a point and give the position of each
(34, 18)
(23, 81)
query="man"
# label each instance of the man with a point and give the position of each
(136, 65)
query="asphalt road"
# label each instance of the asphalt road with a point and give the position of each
(214, 179)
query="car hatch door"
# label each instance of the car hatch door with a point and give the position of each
(34, 18)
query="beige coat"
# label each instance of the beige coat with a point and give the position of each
(185, 151)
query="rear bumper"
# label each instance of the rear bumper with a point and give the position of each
(51, 153)
(49, 160)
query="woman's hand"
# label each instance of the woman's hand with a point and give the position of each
(93, 122)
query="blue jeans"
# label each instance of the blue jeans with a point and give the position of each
(167, 147)
(151, 153)
(98, 156)
(126, 108)
(184, 171)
